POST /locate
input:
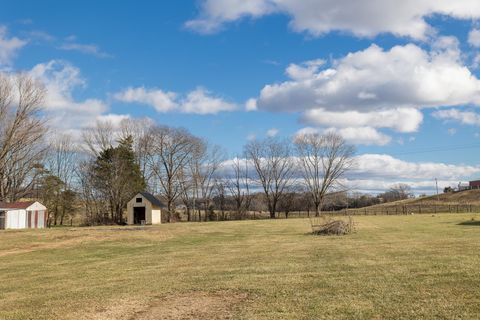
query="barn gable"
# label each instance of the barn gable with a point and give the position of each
(144, 208)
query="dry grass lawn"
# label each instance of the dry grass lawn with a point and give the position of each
(393, 267)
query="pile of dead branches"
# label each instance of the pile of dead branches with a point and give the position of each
(334, 227)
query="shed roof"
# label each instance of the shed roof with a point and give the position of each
(153, 200)
(16, 205)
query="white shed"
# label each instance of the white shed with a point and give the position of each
(22, 215)
(144, 208)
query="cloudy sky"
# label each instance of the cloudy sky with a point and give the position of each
(399, 79)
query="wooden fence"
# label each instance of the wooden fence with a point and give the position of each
(386, 210)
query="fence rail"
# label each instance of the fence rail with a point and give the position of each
(367, 211)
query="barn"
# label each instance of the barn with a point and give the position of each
(22, 215)
(475, 184)
(144, 208)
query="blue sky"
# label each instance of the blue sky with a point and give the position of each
(409, 70)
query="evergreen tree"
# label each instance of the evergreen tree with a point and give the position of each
(117, 177)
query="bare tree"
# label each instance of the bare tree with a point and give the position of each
(288, 202)
(21, 135)
(274, 168)
(99, 137)
(61, 163)
(205, 166)
(220, 197)
(141, 132)
(323, 160)
(238, 186)
(170, 152)
(399, 191)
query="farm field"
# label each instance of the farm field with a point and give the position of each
(393, 267)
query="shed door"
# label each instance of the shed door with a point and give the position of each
(29, 219)
(2, 220)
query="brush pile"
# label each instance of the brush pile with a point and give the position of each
(334, 227)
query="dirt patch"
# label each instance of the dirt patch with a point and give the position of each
(195, 305)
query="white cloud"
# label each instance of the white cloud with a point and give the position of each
(90, 49)
(272, 132)
(251, 105)
(364, 18)
(65, 113)
(464, 117)
(161, 100)
(402, 119)
(474, 38)
(201, 101)
(198, 101)
(9, 47)
(353, 135)
(373, 79)
(381, 166)
(375, 88)
(452, 131)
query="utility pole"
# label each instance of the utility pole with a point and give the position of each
(436, 185)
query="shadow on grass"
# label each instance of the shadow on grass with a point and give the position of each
(470, 223)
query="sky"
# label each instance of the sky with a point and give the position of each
(399, 80)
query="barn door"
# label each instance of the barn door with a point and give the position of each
(2, 220)
(29, 219)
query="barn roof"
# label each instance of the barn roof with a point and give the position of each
(153, 200)
(16, 205)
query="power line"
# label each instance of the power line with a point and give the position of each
(437, 149)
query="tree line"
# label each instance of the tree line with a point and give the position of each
(100, 171)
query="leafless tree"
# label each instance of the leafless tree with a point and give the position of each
(141, 132)
(204, 167)
(21, 135)
(399, 191)
(98, 137)
(238, 186)
(170, 152)
(288, 202)
(274, 166)
(323, 160)
(220, 197)
(61, 162)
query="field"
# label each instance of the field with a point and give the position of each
(393, 267)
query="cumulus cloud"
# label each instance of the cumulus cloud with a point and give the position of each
(162, 101)
(372, 79)
(353, 135)
(9, 47)
(251, 105)
(382, 166)
(198, 101)
(201, 101)
(65, 113)
(464, 117)
(401, 119)
(377, 172)
(364, 18)
(474, 38)
(375, 88)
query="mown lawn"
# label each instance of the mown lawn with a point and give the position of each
(393, 267)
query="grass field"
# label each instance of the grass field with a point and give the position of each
(393, 267)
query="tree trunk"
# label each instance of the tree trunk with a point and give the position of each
(317, 209)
